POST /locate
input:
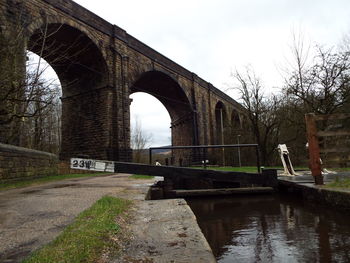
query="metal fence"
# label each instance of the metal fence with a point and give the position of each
(199, 154)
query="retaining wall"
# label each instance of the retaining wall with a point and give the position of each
(17, 163)
(336, 198)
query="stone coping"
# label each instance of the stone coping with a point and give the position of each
(25, 151)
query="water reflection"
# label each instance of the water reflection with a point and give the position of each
(273, 229)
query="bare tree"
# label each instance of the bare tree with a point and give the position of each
(30, 108)
(262, 112)
(139, 141)
(323, 84)
(11, 78)
(24, 94)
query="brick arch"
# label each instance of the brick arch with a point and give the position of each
(77, 60)
(169, 92)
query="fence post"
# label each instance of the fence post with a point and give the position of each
(314, 149)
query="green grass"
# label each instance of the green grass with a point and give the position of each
(246, 169)
(141, 176)
(344, 169)
(36, 181)
(343, 183)
(88, 237)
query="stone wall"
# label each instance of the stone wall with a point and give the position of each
(17, 163)
(331, 197)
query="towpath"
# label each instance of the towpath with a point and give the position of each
(33, 216)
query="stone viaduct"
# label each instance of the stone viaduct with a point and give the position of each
(99, 65)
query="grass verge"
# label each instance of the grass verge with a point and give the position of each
(341, 183)
(88, 237)
(245, 169)
(35, 181)
(344, 169)
(141, 176)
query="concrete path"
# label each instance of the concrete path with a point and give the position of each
(161, 231)
(165, 231)
(33, 216)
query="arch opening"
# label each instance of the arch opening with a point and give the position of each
(173, 98)
(75, 58)
(41, 128)
(150, 126)
(83, 73)
(166, 90)
(221, 123)
(236, 121)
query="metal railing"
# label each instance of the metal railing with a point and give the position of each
(256, 146)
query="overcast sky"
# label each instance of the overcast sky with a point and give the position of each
(213, 38)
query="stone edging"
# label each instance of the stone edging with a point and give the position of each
(318, 194)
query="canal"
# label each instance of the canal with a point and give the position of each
(272, 228)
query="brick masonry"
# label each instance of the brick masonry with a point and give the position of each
(18, 163)
(100, 71)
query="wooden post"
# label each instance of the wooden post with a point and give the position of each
(314, 149)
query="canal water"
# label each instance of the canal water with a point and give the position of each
(272, 228)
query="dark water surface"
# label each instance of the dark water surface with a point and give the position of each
(273, 228)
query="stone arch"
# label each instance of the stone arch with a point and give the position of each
(236, 122)
(204, 122)
(78, 62)
(172, 96)
(220, 122)
(84, 76)
(39, 23)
